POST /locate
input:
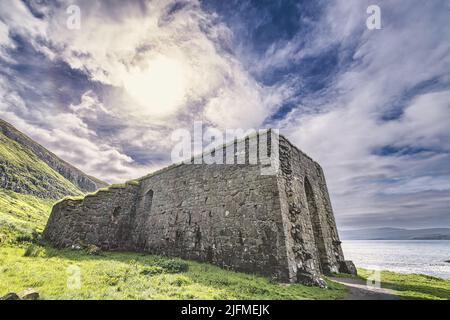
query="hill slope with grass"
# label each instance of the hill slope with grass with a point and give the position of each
(27, 167)
(28, 185)
(23, 172)
(22, 217)
(31, 179)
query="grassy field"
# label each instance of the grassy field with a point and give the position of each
(115, 275)
(21, 215)
(413, 286)
(120, 275)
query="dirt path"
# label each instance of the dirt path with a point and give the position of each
(358, 290)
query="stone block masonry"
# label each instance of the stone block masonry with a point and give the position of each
(231, 215)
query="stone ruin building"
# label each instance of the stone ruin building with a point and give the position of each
(237, 216)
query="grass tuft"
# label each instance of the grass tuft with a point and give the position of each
(173, 265)
(34, 251)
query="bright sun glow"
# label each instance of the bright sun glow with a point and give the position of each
(159, 88)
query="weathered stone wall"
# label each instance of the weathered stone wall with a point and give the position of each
(225, 214)
(229, 215)
(103, 219)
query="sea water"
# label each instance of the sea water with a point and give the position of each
(406, 256)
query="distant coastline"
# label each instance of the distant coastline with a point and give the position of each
(396, 234)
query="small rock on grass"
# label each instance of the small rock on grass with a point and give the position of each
(10, 296)
(29, 294)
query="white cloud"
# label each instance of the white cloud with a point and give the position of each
(391, 62)
(165, 64)
(167, 71)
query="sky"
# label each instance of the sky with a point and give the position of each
(372, 106)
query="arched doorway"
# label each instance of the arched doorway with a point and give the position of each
(321, 255)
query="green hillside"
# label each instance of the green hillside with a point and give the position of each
(24, 172)
(28, 187)
(22, 216)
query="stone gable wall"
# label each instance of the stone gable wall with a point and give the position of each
(311, 235)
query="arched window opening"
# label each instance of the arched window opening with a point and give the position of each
(148, 199)
(115, 214)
